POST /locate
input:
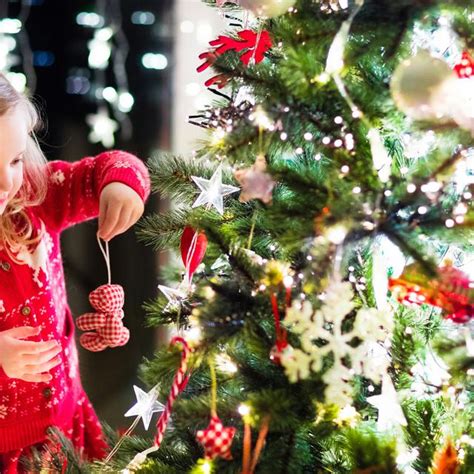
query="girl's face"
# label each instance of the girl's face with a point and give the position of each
(13, 139)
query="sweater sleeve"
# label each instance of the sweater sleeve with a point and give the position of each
(74, 188)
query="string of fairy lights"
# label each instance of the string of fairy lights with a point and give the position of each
(431, 375)
(103, 80)
(109, 48)
(15, 50)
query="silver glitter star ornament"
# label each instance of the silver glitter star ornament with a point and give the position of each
(146, 405)
(213, 191)
(174, 296)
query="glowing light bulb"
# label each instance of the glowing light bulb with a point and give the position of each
(260, 117)
(336, 234)
(193, 335)
(422, 210)
(143, 18)
(125, 102)
(217, 136)
(109, 94)
(206, 467)
(225, 364)
(10, 26)
(155, 61)
(348, 415)
(100, 49)
(90, 20)
(186, 26)
(449, 223)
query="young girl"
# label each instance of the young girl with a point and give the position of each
(40, 385)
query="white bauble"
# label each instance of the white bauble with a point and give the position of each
(415, 85)
(455, 99)
(267, 8)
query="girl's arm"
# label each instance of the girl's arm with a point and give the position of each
(74, 188)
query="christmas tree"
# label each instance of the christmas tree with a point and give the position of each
(322, 308)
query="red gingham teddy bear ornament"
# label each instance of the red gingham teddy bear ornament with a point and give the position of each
(105, 327)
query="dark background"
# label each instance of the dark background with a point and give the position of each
(60, 50)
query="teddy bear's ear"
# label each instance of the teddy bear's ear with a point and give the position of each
(107, 298)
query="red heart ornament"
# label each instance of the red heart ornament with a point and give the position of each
(193, 249)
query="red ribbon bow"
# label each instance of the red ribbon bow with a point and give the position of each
(252, 46)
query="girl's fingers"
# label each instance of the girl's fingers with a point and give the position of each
(110, 219)
(36, 377)
(125, 222)
(132, 218)
(137, 213)
(118, 215)
(103, 205)
(41, 368)
(22, 332)
(121, 225)
(30, 347)
(33, 359)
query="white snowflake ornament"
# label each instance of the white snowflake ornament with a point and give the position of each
(370, 326)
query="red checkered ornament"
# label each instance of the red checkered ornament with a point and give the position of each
(105, 327)
(465, 68)
(216, 439)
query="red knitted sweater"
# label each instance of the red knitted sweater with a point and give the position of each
(33, 293)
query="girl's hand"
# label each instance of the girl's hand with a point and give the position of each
(120, 207)
(27, 360)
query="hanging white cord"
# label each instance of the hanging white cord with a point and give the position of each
(334, 65)
(335, 59)
(105, 253)
(189, 257)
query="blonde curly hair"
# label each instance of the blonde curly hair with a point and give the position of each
(16, 229)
